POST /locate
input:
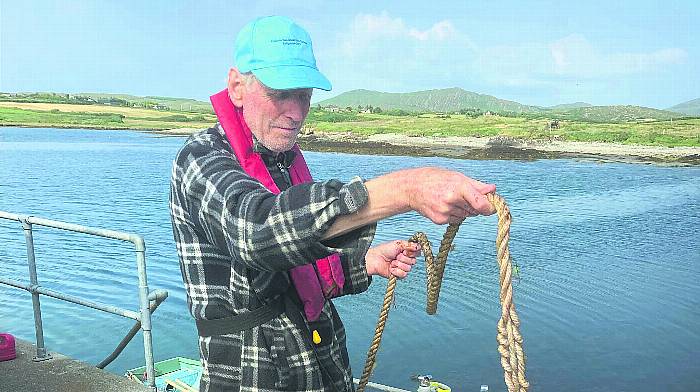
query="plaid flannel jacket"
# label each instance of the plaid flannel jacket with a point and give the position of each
(236, 241)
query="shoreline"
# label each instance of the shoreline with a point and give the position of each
(484, 148)
(498, 147)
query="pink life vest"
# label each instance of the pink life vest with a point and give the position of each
(312, 288)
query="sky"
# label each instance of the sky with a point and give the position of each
(543, 53)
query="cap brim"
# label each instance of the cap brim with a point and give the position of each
(291, 77)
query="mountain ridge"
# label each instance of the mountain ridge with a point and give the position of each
(691, 107)
(435, 100)
(456, 99)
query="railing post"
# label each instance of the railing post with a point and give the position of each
(145, 311)
(41, 354)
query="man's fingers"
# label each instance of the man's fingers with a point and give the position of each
(410, 249)
(400, 270)
(464, 211)
(482, 187)
(399, 273)
(478, 202)
(402, 258)
(456, 220)
(400, 265)
(459, 213)
(408, 246)
(487, 188)
(411, 253)
(469, 211)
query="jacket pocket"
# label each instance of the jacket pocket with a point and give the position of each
(294, 358)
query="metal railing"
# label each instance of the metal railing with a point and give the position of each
(148, 301)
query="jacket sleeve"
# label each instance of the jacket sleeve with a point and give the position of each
(265, 231)
(355, 245)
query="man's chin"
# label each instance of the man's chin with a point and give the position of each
(282, 147)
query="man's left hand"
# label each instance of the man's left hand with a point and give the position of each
(392, 258)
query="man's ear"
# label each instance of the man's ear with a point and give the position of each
(236, 87)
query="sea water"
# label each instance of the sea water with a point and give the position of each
(608, 293)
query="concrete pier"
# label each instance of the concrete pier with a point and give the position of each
(60, 374)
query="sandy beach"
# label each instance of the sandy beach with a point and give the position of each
(487, 148)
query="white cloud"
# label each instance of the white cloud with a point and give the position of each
(440, 31)
(368, 32)
(381, 51)
(571, 64)
(575, 56)
(387, 53)
(377, 25)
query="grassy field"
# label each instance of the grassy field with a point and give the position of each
(98, 116)
(656, 133)
(123, 100)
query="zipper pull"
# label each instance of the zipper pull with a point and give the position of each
(285, 173)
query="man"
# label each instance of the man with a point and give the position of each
(263, 248)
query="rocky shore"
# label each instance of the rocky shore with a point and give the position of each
(497, 147)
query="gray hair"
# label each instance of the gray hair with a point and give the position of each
(248, 78)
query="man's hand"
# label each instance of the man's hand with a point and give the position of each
(441, 195)
(446, 196)
(392, 258)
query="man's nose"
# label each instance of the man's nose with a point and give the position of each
(296, 110)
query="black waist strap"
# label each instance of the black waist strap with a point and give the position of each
(243, 321)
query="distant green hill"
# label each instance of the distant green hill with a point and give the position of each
(612, 114)
(574, 105)
(443, 100)
(154, 102)
(455, 99)
(691, 107)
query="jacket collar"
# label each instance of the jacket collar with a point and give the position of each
(285, 158)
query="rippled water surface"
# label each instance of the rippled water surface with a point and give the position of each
(608, 254)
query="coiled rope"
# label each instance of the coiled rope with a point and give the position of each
(508, 330)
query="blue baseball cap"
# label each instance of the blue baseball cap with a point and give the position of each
(279, 53)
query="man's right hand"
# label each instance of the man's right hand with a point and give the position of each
(441, 195)
(446, 196)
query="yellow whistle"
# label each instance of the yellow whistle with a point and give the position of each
(316, 337)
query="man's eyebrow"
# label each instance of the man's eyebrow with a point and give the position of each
(276, 93)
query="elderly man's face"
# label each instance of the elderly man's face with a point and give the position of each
(275, 116)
